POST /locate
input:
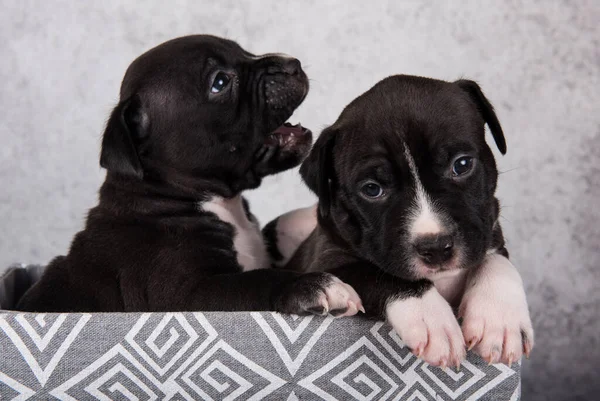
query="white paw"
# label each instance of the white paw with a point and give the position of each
(428, 326)
(495, 314)
(340, 299)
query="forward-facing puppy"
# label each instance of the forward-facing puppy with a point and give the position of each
(407, 216)
(199, 120)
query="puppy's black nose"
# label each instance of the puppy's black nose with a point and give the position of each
(435, 249)
(291, 66)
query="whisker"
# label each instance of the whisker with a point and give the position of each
(505, 219)
(508, 171)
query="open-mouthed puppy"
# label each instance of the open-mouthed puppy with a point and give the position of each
(199, 120)
(407, 216)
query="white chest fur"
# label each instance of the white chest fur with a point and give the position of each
(450, 284)
(248, 240)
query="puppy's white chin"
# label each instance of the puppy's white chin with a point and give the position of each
(449, 280)
(449, 269)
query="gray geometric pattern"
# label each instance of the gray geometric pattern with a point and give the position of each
(227, 356)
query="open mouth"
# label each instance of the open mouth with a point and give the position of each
(285, 138)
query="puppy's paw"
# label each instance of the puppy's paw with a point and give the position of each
(428, 326)
(496, 321)
(320, 294)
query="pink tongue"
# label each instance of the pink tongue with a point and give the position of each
(289, 129)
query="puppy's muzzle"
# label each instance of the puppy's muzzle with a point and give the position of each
(285, 84)
(434, 249)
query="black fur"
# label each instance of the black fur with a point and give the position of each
(270, 235)
(367, 242)
(170, 144)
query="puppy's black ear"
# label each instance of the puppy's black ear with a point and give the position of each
(317, 170)
(127, 125)
(487, 111)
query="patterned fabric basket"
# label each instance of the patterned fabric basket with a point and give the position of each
(221, 356)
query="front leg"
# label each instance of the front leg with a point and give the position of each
(495, 313)
(418, 313)
(281, 291)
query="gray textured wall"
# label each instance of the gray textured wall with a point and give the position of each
(538, 61)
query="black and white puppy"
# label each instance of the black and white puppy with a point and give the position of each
(199, 120)
(407, 216)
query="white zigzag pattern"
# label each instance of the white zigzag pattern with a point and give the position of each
(170, 387)
(40, 319)
(419, 396)
(409, 376)
(292, 364)
(362, 378)
(94, 387)
(205, 367)
(24, 392)
(477, 375)
(42, 374)
(506, 372)
(243, 385)
(41, 341)
(160, 352)
(394, 336)
(61, 391)
(308, 382)
(291, 334)
(274, 381)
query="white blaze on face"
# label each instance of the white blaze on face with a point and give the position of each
(424, 220)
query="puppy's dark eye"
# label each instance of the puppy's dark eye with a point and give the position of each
(462, 165)
(372, 190)
(221, 81)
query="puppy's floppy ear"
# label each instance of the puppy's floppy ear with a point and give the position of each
(317, 170)
(127, 125)
(486, 109)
